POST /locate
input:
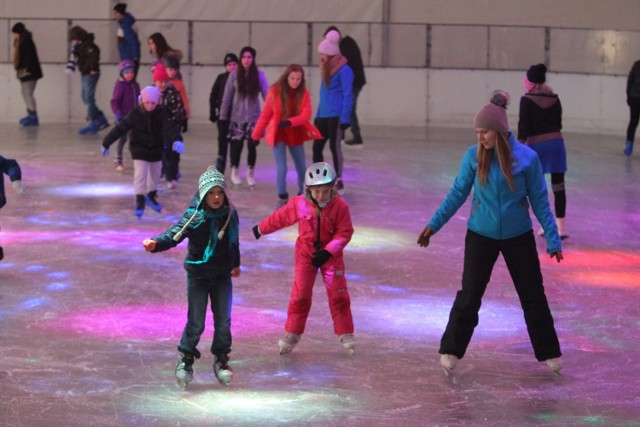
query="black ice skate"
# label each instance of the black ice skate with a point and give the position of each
(184, 370)
(222, 370)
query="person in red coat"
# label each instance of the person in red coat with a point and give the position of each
(324, 230)
(285, 123)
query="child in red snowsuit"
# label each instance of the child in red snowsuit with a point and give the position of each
(324, 229)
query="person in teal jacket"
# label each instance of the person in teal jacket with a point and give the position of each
(506, 178)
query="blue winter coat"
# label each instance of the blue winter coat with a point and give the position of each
(130, 48)
(496, 211)
(336, 100)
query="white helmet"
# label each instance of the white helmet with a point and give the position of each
(319, 173)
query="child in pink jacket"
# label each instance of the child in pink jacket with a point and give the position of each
(324, 229)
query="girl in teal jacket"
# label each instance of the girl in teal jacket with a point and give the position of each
(506, 177)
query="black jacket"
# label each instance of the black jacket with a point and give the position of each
(633, 82)
(215, 98)
(88, 56)
(28, 66)
(148, 132)
(350, 50)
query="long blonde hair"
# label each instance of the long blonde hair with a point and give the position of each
(503, 151)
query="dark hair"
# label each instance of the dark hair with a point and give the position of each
(162, 47)
(284, 91)
(332, 28)
(77, 33)
(248, 80)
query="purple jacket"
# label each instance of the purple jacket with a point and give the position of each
(125, 98)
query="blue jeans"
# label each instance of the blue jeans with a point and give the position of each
(355, 125)
(297, 154)
(89, 83)
(199, 290)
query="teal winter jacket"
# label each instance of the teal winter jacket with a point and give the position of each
(497, 211)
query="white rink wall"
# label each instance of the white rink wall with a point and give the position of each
(392, 96)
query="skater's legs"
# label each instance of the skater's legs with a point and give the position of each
(280, 156)
(221, 293)
(559, 195)
(235, 152)
(223, 144)
(521, 257)
(197, 298)
(480, 255)
(333, 274)
(153, 178)
(297, 154)
(301, 294)
(140, 174)
(336, 148)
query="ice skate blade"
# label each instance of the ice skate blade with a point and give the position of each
(224, 378)
(182, 384)
(350, 351)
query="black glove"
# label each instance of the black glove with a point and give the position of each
(255, 142)
(256, 232)
(185, 126)
(284, 124)
(344, 126)
(320, 257)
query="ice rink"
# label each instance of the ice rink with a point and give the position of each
(89, 322)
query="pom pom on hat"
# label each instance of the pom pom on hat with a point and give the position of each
(537, 73)
(18, 28)
(330, 45)
(150, 94)
(493, 116)
(230, 57)
(160, 73)
(209, 179)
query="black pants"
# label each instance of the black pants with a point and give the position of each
(223, 144)
(634, 118)
(330, 129)
(521, 257)
(559, 194)
(170, 164)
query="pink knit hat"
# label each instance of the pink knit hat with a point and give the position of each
(330, 44)
(160, 73)
(493, 116)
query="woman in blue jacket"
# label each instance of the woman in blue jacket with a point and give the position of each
(506, 178)
(336, 101)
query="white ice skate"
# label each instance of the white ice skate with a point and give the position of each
(554, 365)
(222, 370)
(184, 370)
(288, 342)
(448, 363)
(348, 343)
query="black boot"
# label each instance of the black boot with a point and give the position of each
(140, 202)
(153, 202)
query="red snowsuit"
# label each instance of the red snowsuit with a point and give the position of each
(335, 233)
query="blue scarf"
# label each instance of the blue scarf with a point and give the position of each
(216, 217)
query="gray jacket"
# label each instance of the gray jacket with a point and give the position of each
(241, 110)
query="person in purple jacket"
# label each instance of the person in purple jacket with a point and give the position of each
(124, 99)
